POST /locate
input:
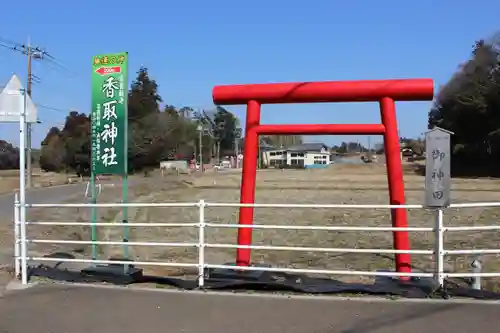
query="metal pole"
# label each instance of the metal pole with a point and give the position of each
(200, 147)
(93, 215)
(439, 248)
(218, 151)
(28, 156)
(126, 229)
(236, 151)
(17, 239)
(201, 246)
(22, 190)
(259, 165)
(28, 125)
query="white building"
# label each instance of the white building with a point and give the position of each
(307, 155)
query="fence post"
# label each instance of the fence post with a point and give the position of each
(477, 267)
(439, 248)
(201, 245)
(17, 244)
(24, 245)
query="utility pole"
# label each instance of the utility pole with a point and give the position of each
(369, 154)
(200, 145)
(32, 53)
(237, 138)
(29, 53)
(259, 165)
(236, 152)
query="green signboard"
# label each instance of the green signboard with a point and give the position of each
(109, 113)
(109, 130)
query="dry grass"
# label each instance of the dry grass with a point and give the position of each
(9, 179)
(365, 184)
(111, 193)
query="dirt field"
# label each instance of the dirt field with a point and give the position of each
(9, 179)
(365, 184)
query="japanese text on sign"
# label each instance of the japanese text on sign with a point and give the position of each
(437, 170)
(437, 174)
(109, 115)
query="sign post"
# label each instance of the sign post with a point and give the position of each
(109, 121)
(17, 106)
(437, 168)
(438, 186)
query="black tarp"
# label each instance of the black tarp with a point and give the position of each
(263, 281)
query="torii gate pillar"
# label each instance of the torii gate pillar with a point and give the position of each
(385, 92)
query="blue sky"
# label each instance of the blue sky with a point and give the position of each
(190, 46)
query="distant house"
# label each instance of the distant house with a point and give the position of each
(307, 155)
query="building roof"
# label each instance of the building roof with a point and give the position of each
(265, 146)
(314, 146)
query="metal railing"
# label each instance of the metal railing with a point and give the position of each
(22, 258)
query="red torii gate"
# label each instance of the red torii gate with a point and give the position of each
(386, 92)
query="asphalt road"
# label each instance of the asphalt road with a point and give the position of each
(41, 195)
(74, 309)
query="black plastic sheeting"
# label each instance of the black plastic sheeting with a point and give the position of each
(263, 281)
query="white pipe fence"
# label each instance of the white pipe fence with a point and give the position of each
(439, 252)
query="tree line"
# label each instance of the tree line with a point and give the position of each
(469, 106)
(155, 133)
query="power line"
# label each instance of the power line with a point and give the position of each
(32, 53)
(8, 44)
(38, 53)
(51, 108)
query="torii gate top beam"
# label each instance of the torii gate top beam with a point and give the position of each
(325, 92)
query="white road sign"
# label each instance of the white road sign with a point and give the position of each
(12, 103)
